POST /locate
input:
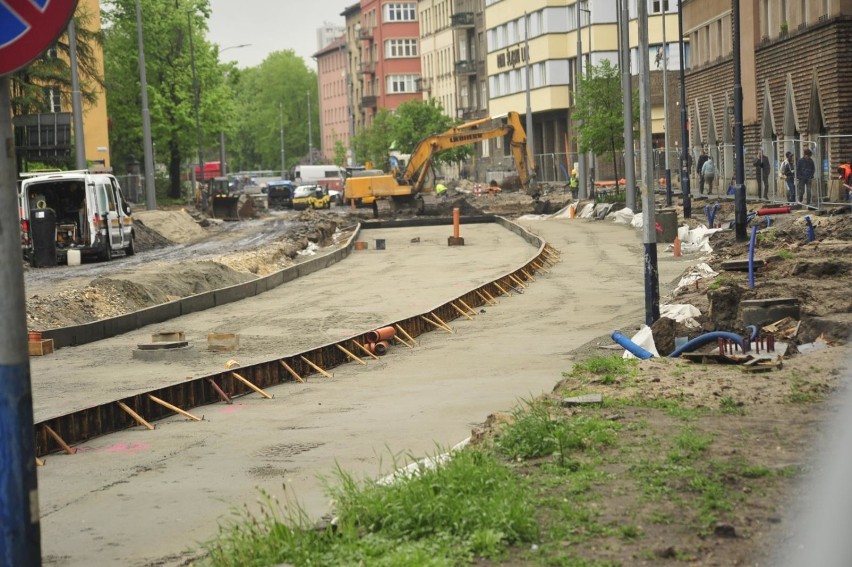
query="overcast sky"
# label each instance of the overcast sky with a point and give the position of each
(271, 25)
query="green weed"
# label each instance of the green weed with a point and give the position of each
(604, 369)
(730, 406)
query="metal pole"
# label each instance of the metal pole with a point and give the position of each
(581, 157)
(20, 537)
(310, 133)
(350, 160)
(281, 125)
(223, 168)
(740, 212)
(196, 96)
(668, 171)
(529, 117)
(684, 130)
(150, 190)
(76, 104)
(649, 236)
(627, 97)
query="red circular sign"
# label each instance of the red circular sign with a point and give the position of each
(28, 28)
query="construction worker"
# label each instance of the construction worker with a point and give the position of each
(440, 189)
(574, 184)
(844, 173)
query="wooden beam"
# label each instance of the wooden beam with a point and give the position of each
(365, 349)
(399, 339)
(350, 355)
(138, 418)
(292, 372)
(60, 441)
(468, 307)
(434, 324)
(461, 311)
(517, 281)
(316, 367)
(438, 319)
(175, 409)
(404, 332)
(250, 385)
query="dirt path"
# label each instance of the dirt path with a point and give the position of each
(144, 498)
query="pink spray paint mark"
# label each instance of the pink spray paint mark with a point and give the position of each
(232, 408)
(126, 448)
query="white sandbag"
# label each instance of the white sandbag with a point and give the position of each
(623, 216)
(645, 339)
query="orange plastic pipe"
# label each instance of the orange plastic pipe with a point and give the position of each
(456, 222)
(381, 347)
(676, 246)
(383, 334)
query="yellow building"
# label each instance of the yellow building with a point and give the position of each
(95, 120)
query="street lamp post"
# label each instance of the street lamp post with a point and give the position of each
(581, 158)
(147, 144)
(281, 120)
(684, 130)
(310, 133)
(197, 115)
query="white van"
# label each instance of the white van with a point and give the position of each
(89, 209)
(311, 174)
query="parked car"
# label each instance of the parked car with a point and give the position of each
(280, 194)
(311, 196)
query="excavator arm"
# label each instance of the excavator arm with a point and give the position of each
(420, 162)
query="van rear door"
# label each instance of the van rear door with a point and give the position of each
(109, 211)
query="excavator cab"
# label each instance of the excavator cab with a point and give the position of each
(224, 205)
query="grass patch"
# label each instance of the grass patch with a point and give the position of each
(730, 406)
(784, 254)
(470, 506)
(604, 369)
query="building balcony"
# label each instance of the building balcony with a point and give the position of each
(469, 114)
(369, 101)
(423, 85)
(465, 67)
(365, 33)
(368, 67)
(462, 20)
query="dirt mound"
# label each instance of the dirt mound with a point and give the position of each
(177, 226)
(145, 239)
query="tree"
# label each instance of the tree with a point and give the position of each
(171, 101)
(339, 153)
(600, 107)
(374, 144)
(278, 87)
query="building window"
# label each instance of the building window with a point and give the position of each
(400, 12)
(402, 84)
(53, 99)
(401, 48)
(659, 6)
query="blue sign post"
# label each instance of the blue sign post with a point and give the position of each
(27, 29)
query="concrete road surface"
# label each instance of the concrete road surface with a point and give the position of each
(149, 497)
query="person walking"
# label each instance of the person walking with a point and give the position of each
(708, 175)
(701, 159)
(761, 172)
(788, 173)
(805, 170)
(574, 184)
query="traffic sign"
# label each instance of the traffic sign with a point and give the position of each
(28, 28)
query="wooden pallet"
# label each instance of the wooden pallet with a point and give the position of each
(40, 348)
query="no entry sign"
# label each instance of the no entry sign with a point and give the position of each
(28, 27)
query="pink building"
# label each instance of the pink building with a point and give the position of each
(390, 55)
(334, 107)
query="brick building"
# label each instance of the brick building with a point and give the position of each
(333, 76)
(794, 57)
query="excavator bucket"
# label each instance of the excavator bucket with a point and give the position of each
(223, 204)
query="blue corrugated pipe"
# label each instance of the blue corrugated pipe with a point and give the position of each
(630, 346)
(811, 234)
(702, 340)
(754, 331)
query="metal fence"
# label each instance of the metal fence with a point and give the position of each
(133, 187)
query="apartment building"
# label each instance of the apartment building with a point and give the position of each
(794, 56)
(390, 55)
(336, 124)
(438, 54)
(355, 83)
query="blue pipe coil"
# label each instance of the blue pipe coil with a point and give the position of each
(630, 346)
(754, 331)
(704, 339)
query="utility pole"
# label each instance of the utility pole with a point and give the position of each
(281, 124)
(196, 97)
(310, 133)
(529, 118)
(76, 104)
(20, 537)
(627, 98)
(740, 212)
(147, 144)
(581, 157)
(649, 235)
(668, 173)
(684, 131)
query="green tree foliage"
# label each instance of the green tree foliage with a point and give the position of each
(403, 129)
(53, 71)
(168, 56)
(278, 87)
(600, 107)
(339, 153)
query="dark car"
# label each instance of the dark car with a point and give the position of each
(280, 194)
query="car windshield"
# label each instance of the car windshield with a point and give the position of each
(305, 191)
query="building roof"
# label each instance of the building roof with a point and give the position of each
(333, 46)
(353, 9)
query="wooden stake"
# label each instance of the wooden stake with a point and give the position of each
(135, 416)
(404, 332)
(39, 462)
(350, 355)
(461, 311)
(317, 368)
(517, 281)
(220, 391)
(485, 299)
(433, 323)
(175, 409)
(399, 339)
(250, 385)
(292, 372)
(365, 349)
(60, 441)
(527, 275)
(438, 319)
(493, 299)
(500, 287)
(541, 268)
(468, 307)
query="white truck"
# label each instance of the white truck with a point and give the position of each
(81, 210)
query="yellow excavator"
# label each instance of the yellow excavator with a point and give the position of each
(414, 186)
